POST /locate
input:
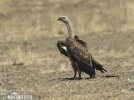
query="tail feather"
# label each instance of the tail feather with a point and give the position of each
(99, 67)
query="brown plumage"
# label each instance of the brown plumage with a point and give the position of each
(76, 50)
(61, 46)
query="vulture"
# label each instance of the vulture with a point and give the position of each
(76, 50)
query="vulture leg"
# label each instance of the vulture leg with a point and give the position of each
(91, 62)
(92, 76)
(79, 70)
(75, 71)
(74, 65)
(79, 74)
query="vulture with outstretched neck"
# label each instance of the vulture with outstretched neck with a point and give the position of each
(76, 50)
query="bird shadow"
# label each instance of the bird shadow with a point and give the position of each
(66, 79)
(86, 78)
(110, 76)
(69, 78)
(62, 79)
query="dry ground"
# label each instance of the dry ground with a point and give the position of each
(47, 75)
(30, 62)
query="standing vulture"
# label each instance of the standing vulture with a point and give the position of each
(76, 50)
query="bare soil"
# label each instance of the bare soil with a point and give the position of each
(49, 76)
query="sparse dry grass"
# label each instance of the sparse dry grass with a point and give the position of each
(20, 56)
(34, 18)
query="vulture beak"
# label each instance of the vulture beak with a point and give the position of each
(58, 19)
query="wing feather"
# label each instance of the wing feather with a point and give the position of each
(78, 51)
(80, 41)
(62, 48)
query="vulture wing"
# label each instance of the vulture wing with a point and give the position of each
(81, 54)
(78, 51)
(62, 48)
(62, 45)
(80, 41)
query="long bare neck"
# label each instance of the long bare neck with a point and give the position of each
(69, 28)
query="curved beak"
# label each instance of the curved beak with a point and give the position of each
(59, 19)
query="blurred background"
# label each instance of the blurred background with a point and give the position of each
(26, 18)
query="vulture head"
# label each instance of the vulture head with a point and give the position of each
(63, 19)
